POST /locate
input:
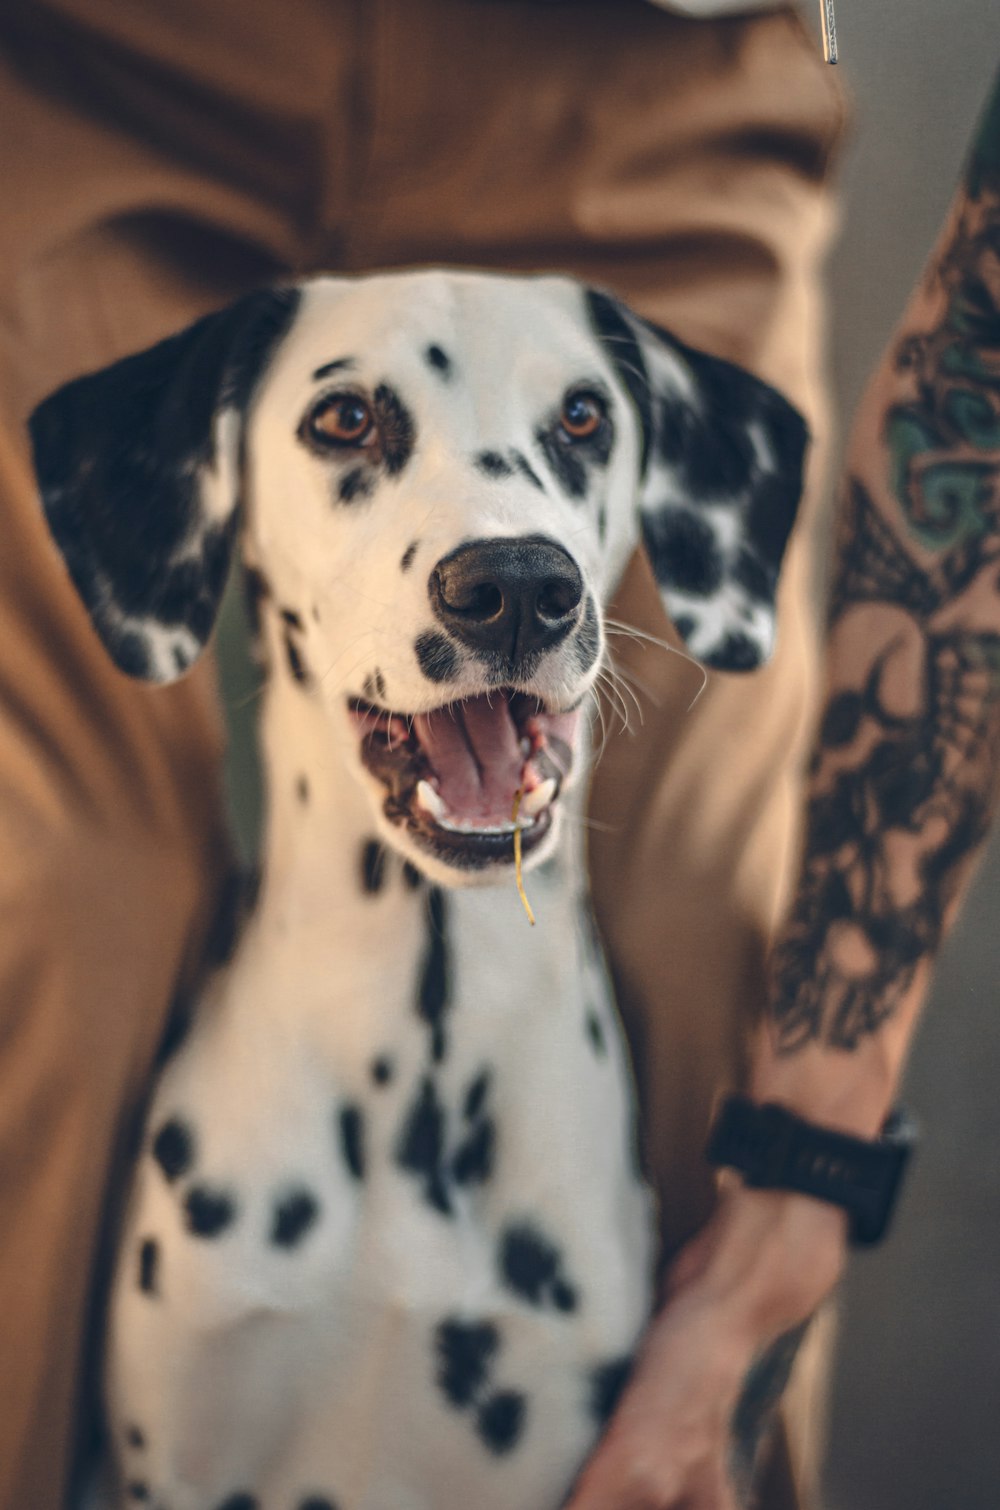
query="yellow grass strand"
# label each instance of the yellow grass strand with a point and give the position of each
(517, 857)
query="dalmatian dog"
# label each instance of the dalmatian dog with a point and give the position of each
(388, 1246)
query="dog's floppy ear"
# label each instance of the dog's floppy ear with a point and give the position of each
(139, 470)
(720, 480)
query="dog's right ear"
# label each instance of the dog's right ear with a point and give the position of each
(139, 468)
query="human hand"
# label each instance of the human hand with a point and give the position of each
(736, 1300)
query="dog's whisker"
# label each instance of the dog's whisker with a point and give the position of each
(598, 753)
(621, 681)
(629, 677)
(613, 698)
(630, 630)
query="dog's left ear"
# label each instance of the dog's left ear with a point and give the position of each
(139, 468)
(720, 480)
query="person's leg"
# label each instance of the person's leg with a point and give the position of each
(684, 166)
(131, 205)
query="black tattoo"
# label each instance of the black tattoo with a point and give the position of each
(904, 779)
(757, 1406)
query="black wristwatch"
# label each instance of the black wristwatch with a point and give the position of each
(773, 1149)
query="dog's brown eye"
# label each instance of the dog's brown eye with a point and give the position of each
(341, 419)
(582, 415)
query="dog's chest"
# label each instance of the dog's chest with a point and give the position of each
(399, 1235)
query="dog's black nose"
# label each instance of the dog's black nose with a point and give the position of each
(510, 597)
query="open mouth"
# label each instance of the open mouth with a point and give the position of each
(454, 776)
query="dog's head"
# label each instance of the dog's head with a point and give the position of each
(442, 476)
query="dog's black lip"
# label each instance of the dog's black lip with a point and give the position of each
(475, 851)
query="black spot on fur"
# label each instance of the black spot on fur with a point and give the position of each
(596, 1033)
(359, 482)
(683, 551)
(738, 652)
(500, 1420)
(397, 432)
(207, 1211)
(411, 876)
(527, 471)
(317, 1502)
(475, 1096)
(587, 644)
(718, 460)
(624, 352)
(531, 1266)
(567, 466)
(302, 790)
(602, 522)
(131, 654)
(422, 1145)
(291, 618)
(492, 464)
(406, 560)
(382, 1070)
(352, 1140)
(685, 625)
(473, 1160)
(256, 592)
(173, 1148)
(439, 360)
(239, 1501)
(434, 993)
(755, 579)
(340, 364)
(528, 1262)
(135, 1436)
(436, 656)
(772, 511)
(149, 1266)
(236, 900)
(607, 1382)
(292, 1218)
(296, 663)
(138, 1491)
(372, 866)
(466, 1352)
(564, 1297)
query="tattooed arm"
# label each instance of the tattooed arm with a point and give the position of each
(905, 774)
(901, 793)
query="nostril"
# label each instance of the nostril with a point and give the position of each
(482, 602)
(477, 601)
(556, 599)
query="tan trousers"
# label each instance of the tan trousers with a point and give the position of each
(156, 161)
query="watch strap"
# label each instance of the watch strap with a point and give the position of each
(773, 1149)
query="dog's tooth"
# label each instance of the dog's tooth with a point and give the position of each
(430, 801)
(464, 826)
(540, 796)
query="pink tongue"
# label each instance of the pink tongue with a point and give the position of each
(474, 750)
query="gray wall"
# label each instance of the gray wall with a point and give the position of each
(916, 1421)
